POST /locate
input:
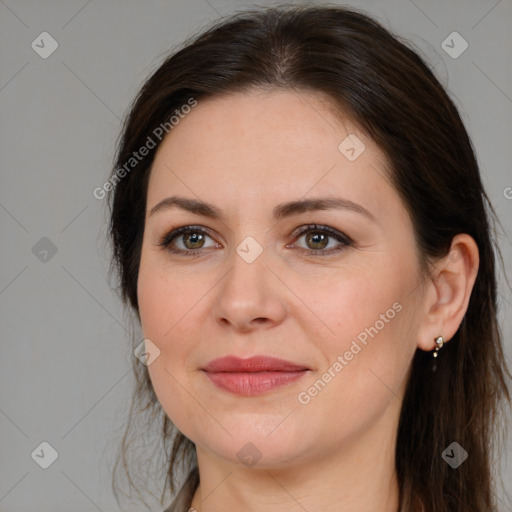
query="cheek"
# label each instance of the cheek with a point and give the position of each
(349, 306)
(167, 319)
(167, 315)
(365, 370)
(367, 349)
(163, 301)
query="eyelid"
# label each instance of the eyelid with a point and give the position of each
(175, 232)
(325, 229)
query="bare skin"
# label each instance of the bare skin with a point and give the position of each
(332, 450)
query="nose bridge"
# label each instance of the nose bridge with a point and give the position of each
(247, 292)
(247, 276)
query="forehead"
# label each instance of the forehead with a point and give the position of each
(282, 143)
(290, 119)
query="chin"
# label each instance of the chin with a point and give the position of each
(251, 446)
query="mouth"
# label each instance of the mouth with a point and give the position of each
(252, 376)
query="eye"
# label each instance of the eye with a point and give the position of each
(318, 239)
(191, 239)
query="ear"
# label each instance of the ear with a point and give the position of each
(448, 290)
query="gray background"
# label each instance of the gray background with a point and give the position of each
(65, 365)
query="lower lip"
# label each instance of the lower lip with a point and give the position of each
(256, 383)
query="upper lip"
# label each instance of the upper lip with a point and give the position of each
(252, 364)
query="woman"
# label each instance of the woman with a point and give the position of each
(299, 223)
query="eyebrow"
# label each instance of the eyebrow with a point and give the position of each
(280, 211)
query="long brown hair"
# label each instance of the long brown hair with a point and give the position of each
(390, 91)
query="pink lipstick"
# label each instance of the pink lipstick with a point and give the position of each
(252, 376)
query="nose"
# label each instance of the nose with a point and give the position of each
(250, 296)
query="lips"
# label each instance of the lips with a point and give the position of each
(253, 376)
(252, 365)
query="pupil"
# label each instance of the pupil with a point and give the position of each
(194, 238)
(318, 238)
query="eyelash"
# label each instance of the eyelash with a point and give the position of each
(344, 240)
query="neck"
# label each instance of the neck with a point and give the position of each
(357, 476)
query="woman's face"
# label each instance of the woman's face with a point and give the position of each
(339, 300)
